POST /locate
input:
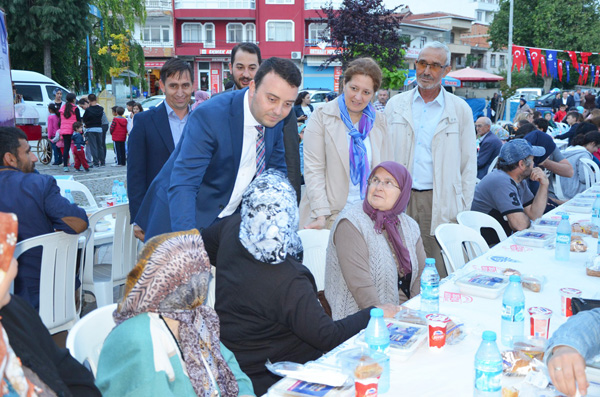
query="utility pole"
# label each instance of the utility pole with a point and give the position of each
(510, 43)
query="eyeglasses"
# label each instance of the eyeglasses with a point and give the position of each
(388, 185)
(435, 67)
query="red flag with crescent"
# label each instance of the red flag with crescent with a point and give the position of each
(573, 57)
(560, 70)
(585, 56)
(518, 57)
(597, 75)
(536, 54)
(586, 70)
(543, 63)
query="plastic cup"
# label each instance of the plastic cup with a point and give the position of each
(565, 298)
(539, 321)
(437, 323)
(110, 203)
(366, 367)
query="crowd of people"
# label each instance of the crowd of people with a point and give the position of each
(220, 184)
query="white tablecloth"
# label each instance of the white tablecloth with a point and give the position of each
(450, 372)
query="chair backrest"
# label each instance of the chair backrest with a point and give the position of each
(592, 172)
(75, 186)
(86, 338)
(314, 243)
(57, 278)
(476, 220)
(492, 165)
(557, 187)
(564, 127)
(453, 240)
(124, 247)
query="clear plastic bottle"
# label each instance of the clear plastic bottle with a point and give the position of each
(69, 196)
(513, 311)
(563, 239)
(115, 189)
(122, 193)
(377, 337)
(430, 288)
(596, 212)
(488, 367)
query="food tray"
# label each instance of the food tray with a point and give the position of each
(579, 206)
(405, 338)
(482, 284)
(545, 225)
(533, 238)
(288, 387)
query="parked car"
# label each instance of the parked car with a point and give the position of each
(151, 102)
(544, 102)
(317, 96)
(37, 91)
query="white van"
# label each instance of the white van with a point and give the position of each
(37, 91)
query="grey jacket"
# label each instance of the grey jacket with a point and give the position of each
(576, 184)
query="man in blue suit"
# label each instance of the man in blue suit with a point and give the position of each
(489, 146)
(156, 132)
(226, 143)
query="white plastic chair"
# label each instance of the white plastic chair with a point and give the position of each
(564, 127)
(476, 220)
(493, 164)
(100, 279)
(592, 172)
(314, 243)
(86, 338)
(455, 240)
(557, 188)
(57, 278)
(75, 186)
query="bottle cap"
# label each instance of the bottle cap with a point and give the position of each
(598, 195)
(489, 336)
(67, 190)
(430, 261)
(514, 278)
(376, 312)
(565, 216)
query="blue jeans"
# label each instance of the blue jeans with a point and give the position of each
(57, 154)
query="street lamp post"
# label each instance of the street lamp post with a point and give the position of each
(510, 43)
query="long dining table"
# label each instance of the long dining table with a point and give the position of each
(450, 372)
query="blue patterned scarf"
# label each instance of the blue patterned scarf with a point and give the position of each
(359, 162)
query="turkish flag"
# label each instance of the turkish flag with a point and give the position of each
(586, 70)
(573, 57)
(536, 54)
(585, 56)
(597, 75)
(543, 62)
(518, 57)
(560, 72)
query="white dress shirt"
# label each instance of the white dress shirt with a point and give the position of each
(176, 123)
(354, 190)
(426, 117)
(247, 167)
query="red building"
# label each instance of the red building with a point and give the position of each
(205, 31)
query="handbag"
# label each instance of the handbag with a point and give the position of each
(580, 304)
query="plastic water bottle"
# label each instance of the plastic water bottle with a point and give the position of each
(596, 211)
(488, 367)
(513, 311)
(122, 193)
(377, 337)
(430, 288)
(115, 188)
(563, 239)
(69, 196)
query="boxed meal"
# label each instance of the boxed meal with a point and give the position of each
(288, 387)
(533, 238)
(405, 337)
(579, 206)
(485, 285)
(545, 225)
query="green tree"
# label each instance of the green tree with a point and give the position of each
(362, 28)
(37, 29)
(549, 24)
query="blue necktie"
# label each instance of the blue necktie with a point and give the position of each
(260, 150)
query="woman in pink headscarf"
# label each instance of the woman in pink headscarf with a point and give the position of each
(200, 97)
(375, 253)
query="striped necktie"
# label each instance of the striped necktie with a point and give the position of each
(260, 150)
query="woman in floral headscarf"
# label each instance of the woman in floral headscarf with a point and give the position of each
(166, 342)
(375, 253)
(266, 299)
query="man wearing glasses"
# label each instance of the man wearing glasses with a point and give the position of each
(434, 138)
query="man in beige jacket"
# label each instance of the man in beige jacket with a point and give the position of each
(434, 138)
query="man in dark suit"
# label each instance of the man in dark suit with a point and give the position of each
(226, 143)
(156, 132)
(489, 146)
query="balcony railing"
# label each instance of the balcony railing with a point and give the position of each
(158, 5)
(165, 44)
(315, 42)
(318, 4)
(216, 4)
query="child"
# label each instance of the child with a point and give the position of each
(118, 130)
(53, 131)
(561, 114)
(78, 147)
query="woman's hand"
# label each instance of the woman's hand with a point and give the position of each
(318, 223)
(389, 310)
(567, 366)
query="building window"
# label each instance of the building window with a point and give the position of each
(479, 16)
(501, 61)
(235, 32)
(192, 32)
(280, 30)
(317, 32)
(156, 34)
(209, 35)
(250, 30)
(493, 60)
(279, 2)
(422, 41)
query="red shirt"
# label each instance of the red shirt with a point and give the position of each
(559, 116)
